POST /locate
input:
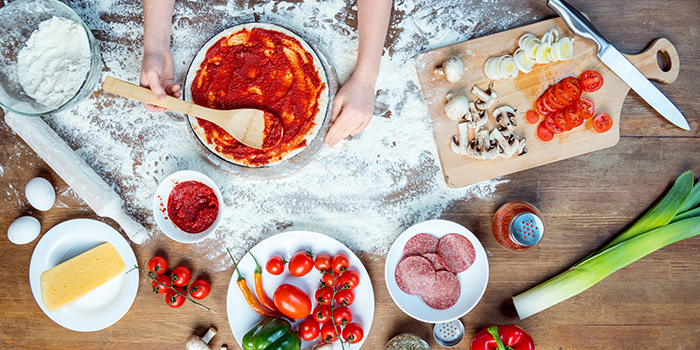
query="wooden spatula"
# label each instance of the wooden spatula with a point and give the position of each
(246, 125)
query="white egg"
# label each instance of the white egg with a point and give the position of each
(23, 230)
(40, 193)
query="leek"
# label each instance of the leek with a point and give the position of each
(671, 220)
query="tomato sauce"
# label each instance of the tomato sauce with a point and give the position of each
(266, 70)
(193, 206)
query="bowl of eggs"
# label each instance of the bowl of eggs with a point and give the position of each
(50, 60)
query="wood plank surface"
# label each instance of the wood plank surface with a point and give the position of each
(651, 304)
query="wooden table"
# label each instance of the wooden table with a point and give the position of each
(651, 304)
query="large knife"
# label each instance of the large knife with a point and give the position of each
(619, 64)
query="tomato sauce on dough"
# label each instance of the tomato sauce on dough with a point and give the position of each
(266, 70)
(193, 206)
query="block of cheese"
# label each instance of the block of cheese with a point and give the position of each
(69, 281)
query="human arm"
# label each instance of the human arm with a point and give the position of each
(353, 105)
(157, 69)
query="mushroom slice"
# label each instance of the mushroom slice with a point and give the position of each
(486, 98)
(459, 142)
(505, 116)
(452, 68)
(456, 107)
(479, 117)
(506, 147)
(481, 146)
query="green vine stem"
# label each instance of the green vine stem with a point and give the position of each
(172, 288)
(333, 307)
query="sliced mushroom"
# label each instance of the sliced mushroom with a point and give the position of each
(452, 68)
(479, 117)
(506, 146)
(459, 142)
(456, 107)
(505, 117)
(486, 98)
(481, 146)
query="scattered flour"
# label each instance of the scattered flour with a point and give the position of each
(53, 64)
(363, 192)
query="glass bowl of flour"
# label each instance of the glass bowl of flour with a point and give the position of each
(49, 59)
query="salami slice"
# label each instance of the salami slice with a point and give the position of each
(436, 259)
(445, 291)
(420, 244)
(415, 275)
(457, 252)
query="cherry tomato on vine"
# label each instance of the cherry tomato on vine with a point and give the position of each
(275, 266)
(301, 263)
(324, 295)
(323, 263)
(572, 117)
(327, 279)
(342, 316)
(161, 288)
(353, 333)
(602, 122)
(328, 333)
(180, 276)
(322, 313)
(544, 133)
(309, 329)
(157, 265)
(200, 289)
(173, 299)
(292, 301)
(585, 108)
(591, 81)
(340, 263)
(532, 117)
(344, 297)
(349, 279)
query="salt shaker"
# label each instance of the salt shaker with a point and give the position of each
(518, 226)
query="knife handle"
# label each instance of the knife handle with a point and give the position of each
(578, 23)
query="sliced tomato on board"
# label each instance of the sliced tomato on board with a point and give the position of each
(602, 122)
(572, 117)
(543, 109)
(585, 108)
(552, 125)
(562, 96)
(591, 81)
(572, 87)
(560, 119)
(552, 99)
(532, 117)
(548, 102)
(544, 133)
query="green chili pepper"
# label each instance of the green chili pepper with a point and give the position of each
(272, 333)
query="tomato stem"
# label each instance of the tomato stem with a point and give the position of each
(335, 326)
(173, 288)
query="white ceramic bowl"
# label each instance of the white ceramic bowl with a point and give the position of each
(160, 206)
(473, 281)
(18, 20)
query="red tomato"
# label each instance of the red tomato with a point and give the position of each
(180, 276)
(344, 297)
(548, 103)
(560, 119)
(552, 125)
(349, 279)
(572, 117)
(157, 265)
(327, 279)
(602, 122)
(340, 263)
(322, 313)
(532, 117)
(200, 289)
(543, 109)
(275, 266)
(544, 133)
(292, 301)
(301, 263)
(353, 333)
(585, 108)
(342, 316)
(328, 333)
(591, 81)
(324, 295)
(571, 87)
(162, 288)
(562, 95)
(309, 329)
(173, 299)
(551, 98)
(323, 263)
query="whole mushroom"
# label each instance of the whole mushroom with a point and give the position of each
(196, 343)
(452, 68)
(456, 107)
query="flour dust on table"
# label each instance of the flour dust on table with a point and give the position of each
(363, 192)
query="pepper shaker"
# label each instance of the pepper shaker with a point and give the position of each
(518, 226)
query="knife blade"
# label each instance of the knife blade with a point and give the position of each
(617, 63)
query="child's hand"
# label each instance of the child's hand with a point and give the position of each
(158, 74)
(353, 108)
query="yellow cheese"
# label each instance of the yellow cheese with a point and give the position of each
(69, 281)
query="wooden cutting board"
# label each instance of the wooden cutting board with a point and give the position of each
(521, 94)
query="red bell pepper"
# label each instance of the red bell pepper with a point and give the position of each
(509, 337)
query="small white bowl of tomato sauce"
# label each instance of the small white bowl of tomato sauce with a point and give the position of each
(187, 206)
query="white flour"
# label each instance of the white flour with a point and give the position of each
(364, 192)
(54, 62)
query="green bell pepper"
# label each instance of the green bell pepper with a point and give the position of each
(272, 333)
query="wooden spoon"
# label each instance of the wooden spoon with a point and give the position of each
(246, 125)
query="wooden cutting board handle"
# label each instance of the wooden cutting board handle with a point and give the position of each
(658, 62)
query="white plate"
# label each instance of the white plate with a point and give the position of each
(160, 206)
(473, 281)
(106, 304)
(241, 317)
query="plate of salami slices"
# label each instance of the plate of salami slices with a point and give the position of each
(436, 271)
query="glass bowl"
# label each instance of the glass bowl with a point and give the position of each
(18, 20)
